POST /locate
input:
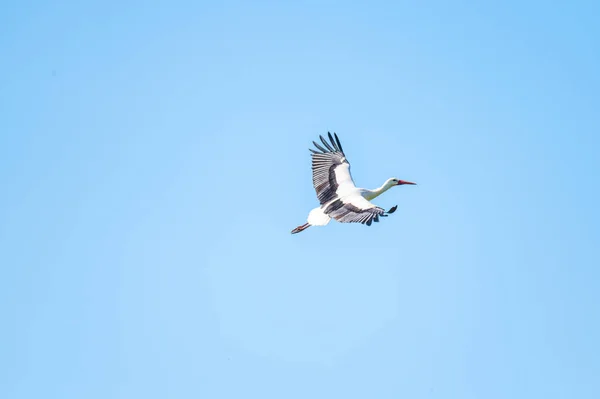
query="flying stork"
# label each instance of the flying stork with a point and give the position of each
(340, 199)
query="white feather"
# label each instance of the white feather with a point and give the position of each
(317, 217)
(344, 180)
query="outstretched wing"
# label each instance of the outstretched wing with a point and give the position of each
(331, 170)
(354, 209)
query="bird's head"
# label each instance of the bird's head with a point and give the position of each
(397, 182)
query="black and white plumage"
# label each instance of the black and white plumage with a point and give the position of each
(340, 199)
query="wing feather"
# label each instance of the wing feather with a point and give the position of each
(319, 147)
(354, 209)
(337, 140)
(327, 144)
(331, 170)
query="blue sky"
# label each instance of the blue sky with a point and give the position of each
(154, 159)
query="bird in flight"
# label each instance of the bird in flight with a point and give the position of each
(340, 199)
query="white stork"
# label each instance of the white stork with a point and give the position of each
(339, 197)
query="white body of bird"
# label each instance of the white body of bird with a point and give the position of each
(318, 217)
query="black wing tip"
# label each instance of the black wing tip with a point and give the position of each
(319, 147)
(327, 145)
(338, 142)
(392, 209)
(332, 141)
(335, 145)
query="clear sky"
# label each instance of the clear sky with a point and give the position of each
(153, 160)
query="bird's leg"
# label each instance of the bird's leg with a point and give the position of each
(301, 228)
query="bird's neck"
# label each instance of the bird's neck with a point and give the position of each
(370, 194)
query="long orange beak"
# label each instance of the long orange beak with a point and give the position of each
(401, 182)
